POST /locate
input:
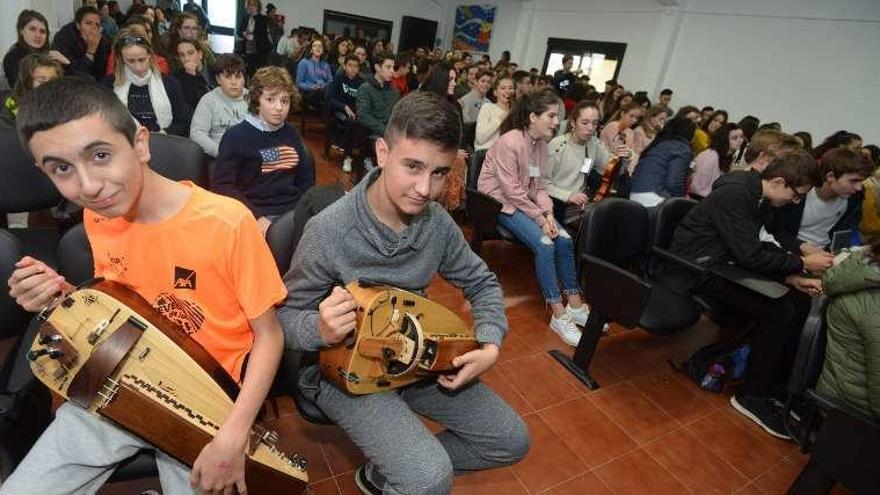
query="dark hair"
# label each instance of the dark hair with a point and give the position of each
(874, 250)
(426, 116)
(25, 18)
(580, 107)
(776, 126)
(437, 80)
(381, 57)
(749, 125)
(229, 64)
(806, 140)
(566, 58)
(84, 11)
(484, 73)
(352, 58)
(641, 97)
(797, 169)
(519, 75)
(39, 110)
(836, 140)
(536, 102)
(707, 108)
(716, 113)
(841, 161)
(874, 150)
(402, 60)
(665, 92)
(679, 128)
(26, 67)
(720, 142)
(683, 111)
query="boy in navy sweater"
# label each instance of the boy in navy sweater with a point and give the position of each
(342, 101)
(262, 161)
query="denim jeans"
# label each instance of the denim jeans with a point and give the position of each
(554, 260)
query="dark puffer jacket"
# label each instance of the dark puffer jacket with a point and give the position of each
(852, 357)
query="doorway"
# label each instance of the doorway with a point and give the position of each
(600, 60)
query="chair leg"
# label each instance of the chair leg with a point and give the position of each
(813, 480)
(579, 364)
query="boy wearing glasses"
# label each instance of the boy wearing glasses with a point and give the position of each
(723, 229)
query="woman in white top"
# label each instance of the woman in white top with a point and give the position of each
(715, 161)
(577, 162)
(493, 114)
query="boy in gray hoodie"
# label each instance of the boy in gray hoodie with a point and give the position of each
(222, 107)
(389, 229)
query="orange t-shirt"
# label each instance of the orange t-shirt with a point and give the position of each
(207, 268)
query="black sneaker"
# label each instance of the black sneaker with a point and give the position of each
(763, 412)
(363, 482)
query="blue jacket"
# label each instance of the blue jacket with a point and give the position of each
(664, 169)
(312, 75)
(266, 170)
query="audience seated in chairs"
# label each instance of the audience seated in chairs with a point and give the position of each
(223, 107)
(34, 69)
(809, 226)
(715, 161)
(493, 113)
(376, 97)
(313, 74)
(765, 146)
(342, 103)
(186, 26)
(82, 43)
(261, 161)
(652, 123)
(577, 162)
(145, 27)
(513, 175)
(724, 229)
(194, 73)
(663, 169)
(33, 37)
(851, 373)
(156, 101)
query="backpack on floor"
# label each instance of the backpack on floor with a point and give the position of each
(718, 366)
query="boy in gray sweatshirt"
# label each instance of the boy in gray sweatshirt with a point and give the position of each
(221, 108)
(389, 229)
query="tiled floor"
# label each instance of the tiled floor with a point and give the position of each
(647, 430)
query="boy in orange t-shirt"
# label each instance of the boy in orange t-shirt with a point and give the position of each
(198, 257)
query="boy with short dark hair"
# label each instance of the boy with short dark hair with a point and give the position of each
(564, 78)
(262, 161)
(390, 229)
(808, 226)
(223, 107)
(472, 101)
(723, 229)
(342, 102)
(376, 97)
(144, 230)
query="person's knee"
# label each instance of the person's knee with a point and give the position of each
(432, 474)
(516, 442)
(544, 251)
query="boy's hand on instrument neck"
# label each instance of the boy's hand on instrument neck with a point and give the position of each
(470, 366)
(220, 465)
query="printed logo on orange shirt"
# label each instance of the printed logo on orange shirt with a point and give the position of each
(184, 278)
(185, 314)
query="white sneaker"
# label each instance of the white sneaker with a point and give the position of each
(579, 315)
(346, 164)
(566, 329)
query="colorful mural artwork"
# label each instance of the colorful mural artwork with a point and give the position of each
(473, 27)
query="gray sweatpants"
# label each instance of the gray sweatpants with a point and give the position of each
(482, 431)
(77, 454)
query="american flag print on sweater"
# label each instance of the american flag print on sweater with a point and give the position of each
(278, 158)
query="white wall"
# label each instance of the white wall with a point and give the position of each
(809, 64)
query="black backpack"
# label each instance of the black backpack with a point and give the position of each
(718, 366)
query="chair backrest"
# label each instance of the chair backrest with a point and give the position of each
(178, 158)
(811, 349)
(13, 318)
(475, 165)
(23, 187)
(669, 214)
(75, 261)
(616, 230)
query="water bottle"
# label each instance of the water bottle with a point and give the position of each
(712, 380)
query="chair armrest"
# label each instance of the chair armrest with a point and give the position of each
(674, 258)
(754, 282)
(483, 212)
(828, 404)
(613, 291)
